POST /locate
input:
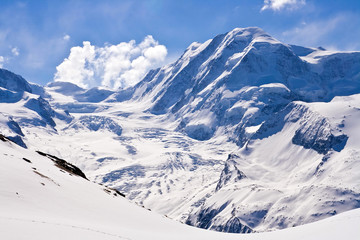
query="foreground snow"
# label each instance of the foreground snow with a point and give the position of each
(41, 201)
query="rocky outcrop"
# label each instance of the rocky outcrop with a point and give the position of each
(43, 108)
(230, 173)
(208, 218)
(64, 165)
(316, 133)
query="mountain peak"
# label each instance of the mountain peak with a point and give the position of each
(13, 82)
(249, 34)
(65, 88)
(254, 31)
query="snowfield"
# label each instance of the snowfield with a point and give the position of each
(42, 201)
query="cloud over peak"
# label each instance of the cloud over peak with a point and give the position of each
(277, 5)
(113, 66)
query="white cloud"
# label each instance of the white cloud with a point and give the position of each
(113, 66)
(278, 5)
(75, 68)
(2, 60)
(66, 37)
(15, 51)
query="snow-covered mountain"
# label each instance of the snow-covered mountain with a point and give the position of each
(22, 102)
(242, 133)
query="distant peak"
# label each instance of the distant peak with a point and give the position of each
(66, 88)
(61, 84)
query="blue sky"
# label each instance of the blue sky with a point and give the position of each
(36, 36)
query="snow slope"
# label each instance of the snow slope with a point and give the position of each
(39, 200)
(304, 179)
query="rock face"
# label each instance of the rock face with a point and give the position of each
(42, 107)
(316, 133)
(234, 225)
(207, 219)
(230, 173)
(62, 164)
(314, 130)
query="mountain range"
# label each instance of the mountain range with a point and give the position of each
(241, 134)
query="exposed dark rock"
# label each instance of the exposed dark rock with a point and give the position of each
(253, 219)
(205, 217)
(315, 131)
(3, 138)
(323, 161)
(230, 173)
(26, 160)
(319, 137)
(60, 163)
(233, 225)
(116, 192)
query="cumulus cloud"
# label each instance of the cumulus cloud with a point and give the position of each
(113, 66)
(15, 51)
(66, 37)
(2, 60)
(278, 5)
